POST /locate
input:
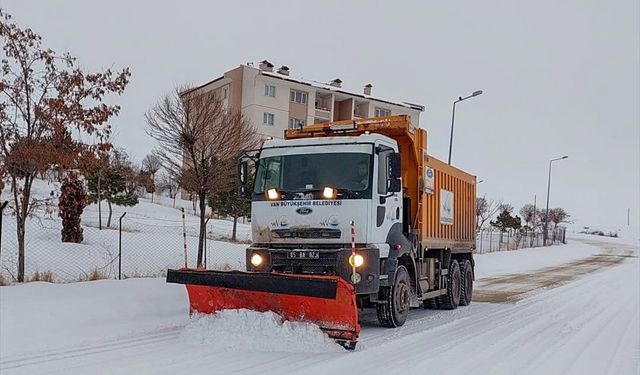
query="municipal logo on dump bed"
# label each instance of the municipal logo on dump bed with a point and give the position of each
(446, 207)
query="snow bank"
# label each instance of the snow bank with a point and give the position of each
(248, 330)
(524, 260)
(43, 316)
(626, 236)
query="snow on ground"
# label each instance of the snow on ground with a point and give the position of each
(589, 324)
(39, 316)
(152, 240)
(236, 325)
(505, 262)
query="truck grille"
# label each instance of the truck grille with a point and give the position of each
(307, 233)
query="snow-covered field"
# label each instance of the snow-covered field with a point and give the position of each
(585, 323)
(152, 240)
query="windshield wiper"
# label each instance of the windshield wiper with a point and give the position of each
(347, 193)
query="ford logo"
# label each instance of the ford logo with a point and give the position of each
(304, 210)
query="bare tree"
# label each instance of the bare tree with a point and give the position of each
(151, 164)
(167, 183)
(502, 207)
(529, 214)
(199, 144)
(44, 97)
(558, 215)
(485, 210)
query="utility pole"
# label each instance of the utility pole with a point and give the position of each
(99, 207)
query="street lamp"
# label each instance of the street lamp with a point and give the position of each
(453, 116)
(546, 215)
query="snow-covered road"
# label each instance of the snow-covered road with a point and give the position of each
(576, 312)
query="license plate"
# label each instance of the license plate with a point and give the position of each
(303, 255)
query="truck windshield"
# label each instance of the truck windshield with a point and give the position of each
(350, 173)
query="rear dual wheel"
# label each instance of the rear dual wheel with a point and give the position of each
(451, 299)
(459, 287)
(466, 282)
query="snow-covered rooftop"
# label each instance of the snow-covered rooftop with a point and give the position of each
(326, 86)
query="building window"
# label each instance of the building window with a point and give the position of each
(382, 112)
(298, 97)
(270, 90)
(224, 93)
(295, 123)
(268, 118)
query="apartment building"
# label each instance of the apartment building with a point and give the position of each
(274, 101)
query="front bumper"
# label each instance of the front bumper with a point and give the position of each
(329, 262)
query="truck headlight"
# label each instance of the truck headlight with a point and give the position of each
(356, 260)
(272, 194)
(329, 193)
(256, 260)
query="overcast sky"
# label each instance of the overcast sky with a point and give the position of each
(559, 77)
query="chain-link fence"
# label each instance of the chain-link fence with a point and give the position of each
(138, 245)
(491, 240)
(151, 238)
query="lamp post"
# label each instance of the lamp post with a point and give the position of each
(453, 116)
(546, 215)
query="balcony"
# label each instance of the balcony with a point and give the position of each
(323, 113)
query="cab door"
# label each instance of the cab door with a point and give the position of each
(387, 206)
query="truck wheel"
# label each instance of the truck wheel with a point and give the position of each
(451, 300)
(431, 303)
(466, 283)
(395, 308)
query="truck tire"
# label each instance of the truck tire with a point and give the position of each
(395, 308)
(451, 299)
(431, 304)
(466, 283)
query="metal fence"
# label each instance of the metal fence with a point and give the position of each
(142, 246)
(491, 240)
(146, 245)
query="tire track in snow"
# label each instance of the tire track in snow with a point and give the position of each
(145, 339)
(532, 329)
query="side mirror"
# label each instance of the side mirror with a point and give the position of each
(243, 170)
(394, 185)
(244, 191)
(395, 170)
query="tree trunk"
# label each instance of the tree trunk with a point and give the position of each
(202, 201)
(235, 225)
(22, 210)
(110, 213)
(20, 233)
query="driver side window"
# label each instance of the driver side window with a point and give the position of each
(383, 171)
(272, 177)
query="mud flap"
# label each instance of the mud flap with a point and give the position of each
(328, 301)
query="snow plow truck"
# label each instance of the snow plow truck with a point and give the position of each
(345, 216)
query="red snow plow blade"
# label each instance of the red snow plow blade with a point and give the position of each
(328, 301)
